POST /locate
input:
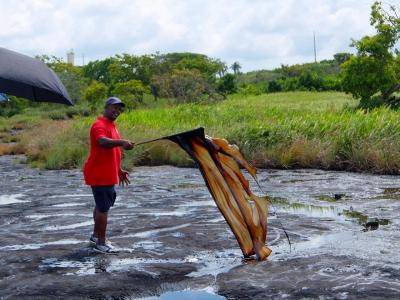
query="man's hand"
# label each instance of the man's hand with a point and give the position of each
(123, 177)
(127, 145)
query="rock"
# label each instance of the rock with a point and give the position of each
(372, 224)
(338, 196)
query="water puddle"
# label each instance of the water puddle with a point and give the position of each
(71, 226)
(210, 263)
(327, 213)
(177, 212)
(207, 262)
(69, 204)
(199, 204)
(40, 245)
(150, 233)
(57, 215)
(106, 263)
(147, 245)
(185, 295)
(11, 199)
(314, 211)
(332, 198)
(187, 185)
(391, 191)
(70, 196)
(362, 245)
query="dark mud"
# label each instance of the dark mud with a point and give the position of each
(171, 237)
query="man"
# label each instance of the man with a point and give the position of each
(103, 170)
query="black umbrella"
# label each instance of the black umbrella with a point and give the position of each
(26, 77)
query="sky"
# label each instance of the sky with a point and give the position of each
(259, 34)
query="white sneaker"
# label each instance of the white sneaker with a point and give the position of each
(93, 240)
(102, 249)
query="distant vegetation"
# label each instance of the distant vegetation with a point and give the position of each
(321, 76)
(180, 78)
(279, 130)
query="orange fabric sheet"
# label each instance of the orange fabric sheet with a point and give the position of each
(245, 212)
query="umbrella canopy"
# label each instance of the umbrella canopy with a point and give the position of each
(26, 77)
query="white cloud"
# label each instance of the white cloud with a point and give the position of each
(259, 34)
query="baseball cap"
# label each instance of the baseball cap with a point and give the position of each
(114, 100)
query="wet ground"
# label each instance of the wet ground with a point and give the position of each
(173, 240)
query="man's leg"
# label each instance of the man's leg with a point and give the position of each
(104, 197)
(95, 229)
(100, 225)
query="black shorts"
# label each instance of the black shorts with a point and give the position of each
(104, 195)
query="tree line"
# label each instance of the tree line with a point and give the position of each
(371, 75)
(185, 77)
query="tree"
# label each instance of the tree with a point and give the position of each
(376, 67)
(184, 86)
(99, 70)
(73, 79)
(208, 67)
(274, 86)
(310, 80)
(236, 67)
(222, 68)
(71, 76)
(127, 67)
(95, 95)
(131, 92)
(227, 84)
(341, 57)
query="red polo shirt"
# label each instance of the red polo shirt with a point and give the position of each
(103, 164)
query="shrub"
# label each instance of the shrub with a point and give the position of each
(185, 86)
(95, 95)
(274, 86)
(131, 92)
(227, 84)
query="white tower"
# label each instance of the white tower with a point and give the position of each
(70, 57)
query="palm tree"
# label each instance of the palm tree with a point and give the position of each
(236, 67)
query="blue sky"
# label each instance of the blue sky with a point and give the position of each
(259, 34)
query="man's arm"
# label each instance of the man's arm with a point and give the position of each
(110, 143)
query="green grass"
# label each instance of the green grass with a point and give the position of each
(282, 130)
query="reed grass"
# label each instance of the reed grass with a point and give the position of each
(283, 130)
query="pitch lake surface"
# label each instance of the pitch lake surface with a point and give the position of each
(174, 244)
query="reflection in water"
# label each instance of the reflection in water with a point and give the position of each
(186, 295)
(220, 165)
(314, 210)
(101, 263)
(333, 213)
